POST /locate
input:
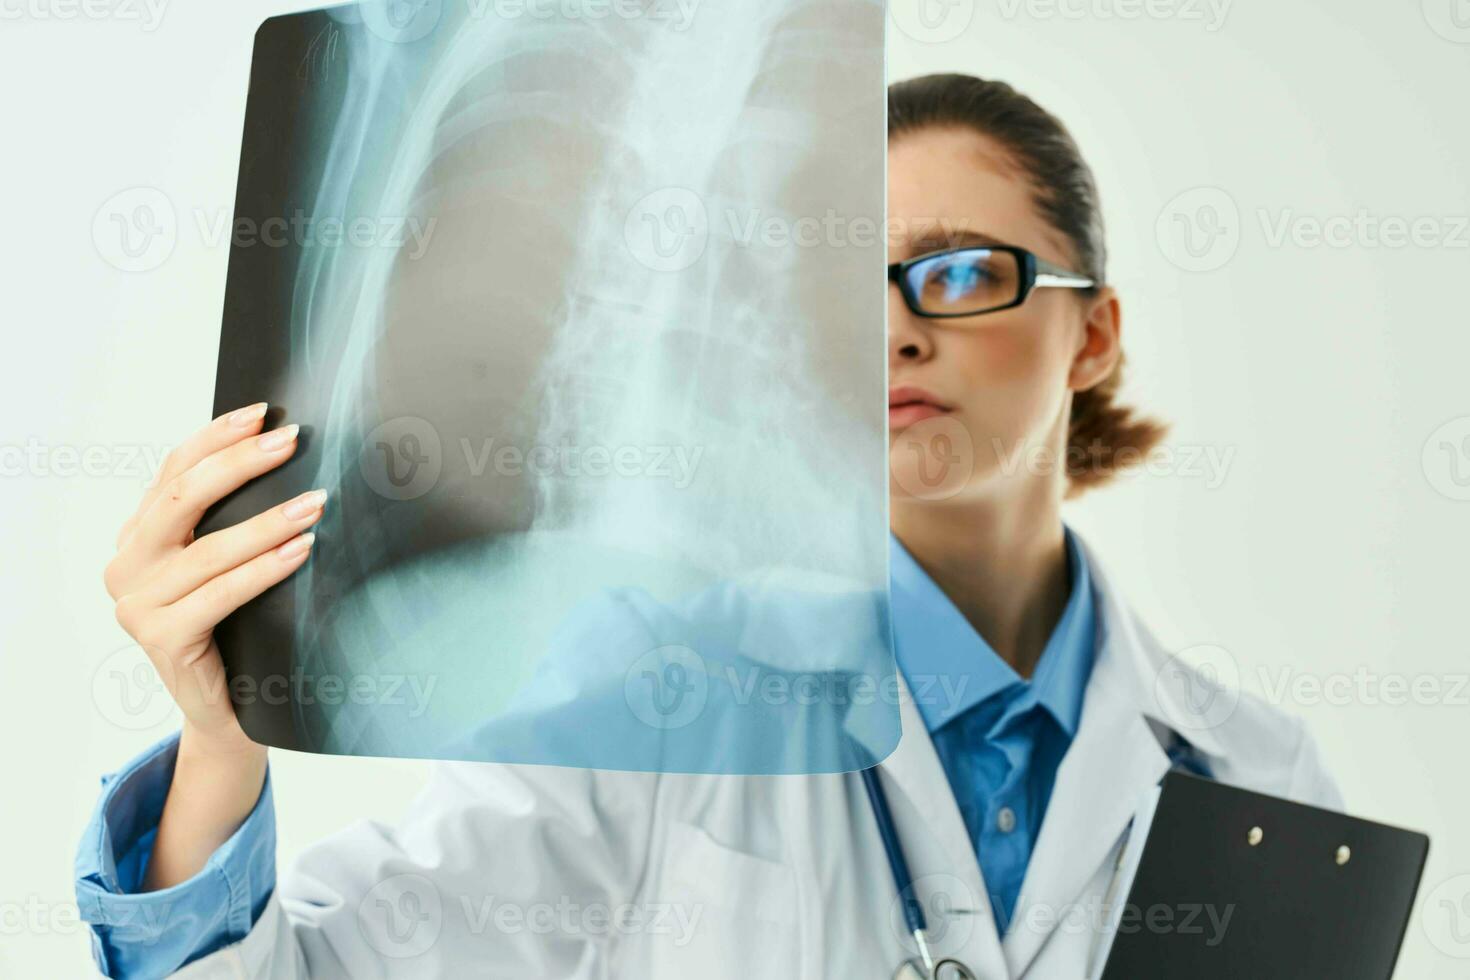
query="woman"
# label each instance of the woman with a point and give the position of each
(1004, 364)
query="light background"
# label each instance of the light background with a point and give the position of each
(1322, 374)
(1319, 372)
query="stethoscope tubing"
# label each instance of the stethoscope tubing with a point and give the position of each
(913, 910)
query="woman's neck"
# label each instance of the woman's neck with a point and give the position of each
(1002, 563)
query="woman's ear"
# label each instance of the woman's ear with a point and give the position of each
(1100, 346)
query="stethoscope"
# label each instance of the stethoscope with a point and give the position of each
(924, 968)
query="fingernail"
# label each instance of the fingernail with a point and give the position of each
(247, 415)
(278, 438)
(308, 503)
(296, 546)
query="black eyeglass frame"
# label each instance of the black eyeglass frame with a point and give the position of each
(1034, 272)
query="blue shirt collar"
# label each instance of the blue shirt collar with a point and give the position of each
(950, 668)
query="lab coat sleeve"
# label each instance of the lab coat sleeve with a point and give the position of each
(496, 871)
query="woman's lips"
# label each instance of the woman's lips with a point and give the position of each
(907, 405)
(903, 416)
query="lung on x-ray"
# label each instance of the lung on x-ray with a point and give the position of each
(581, 310)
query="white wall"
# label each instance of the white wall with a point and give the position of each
(1333, 550)
(121, 361)
(1321, 374)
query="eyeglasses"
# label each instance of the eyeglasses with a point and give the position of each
(976, 279)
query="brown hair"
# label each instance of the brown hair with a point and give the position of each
(1104, 436)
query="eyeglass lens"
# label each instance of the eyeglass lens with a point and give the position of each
(968, 281)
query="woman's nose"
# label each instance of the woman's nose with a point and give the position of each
(908, 335)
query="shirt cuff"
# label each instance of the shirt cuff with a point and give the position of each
(153, 934)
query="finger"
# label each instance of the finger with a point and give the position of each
(218, 552)
(182, 501)
(168, 526)
(201, 610)
(221, 432)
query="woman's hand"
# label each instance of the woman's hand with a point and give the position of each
(173, 589)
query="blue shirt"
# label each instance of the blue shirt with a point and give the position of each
(155, 933)
(999, 737)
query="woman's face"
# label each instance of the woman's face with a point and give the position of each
(1002, 380)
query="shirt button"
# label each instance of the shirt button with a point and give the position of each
(1006, 820)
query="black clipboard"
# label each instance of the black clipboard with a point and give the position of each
(1241, 884)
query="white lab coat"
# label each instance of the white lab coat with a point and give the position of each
(531, 872)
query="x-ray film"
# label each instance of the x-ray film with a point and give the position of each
(580, 306)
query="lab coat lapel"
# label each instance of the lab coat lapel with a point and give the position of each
(937, 844)
(1113, 760)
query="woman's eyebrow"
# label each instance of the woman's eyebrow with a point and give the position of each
(964, 236)
(926, 240)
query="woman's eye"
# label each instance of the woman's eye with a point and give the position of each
(960, 278)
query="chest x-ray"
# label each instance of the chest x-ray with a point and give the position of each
(581, 312)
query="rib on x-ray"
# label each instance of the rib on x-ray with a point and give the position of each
(580, 308)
